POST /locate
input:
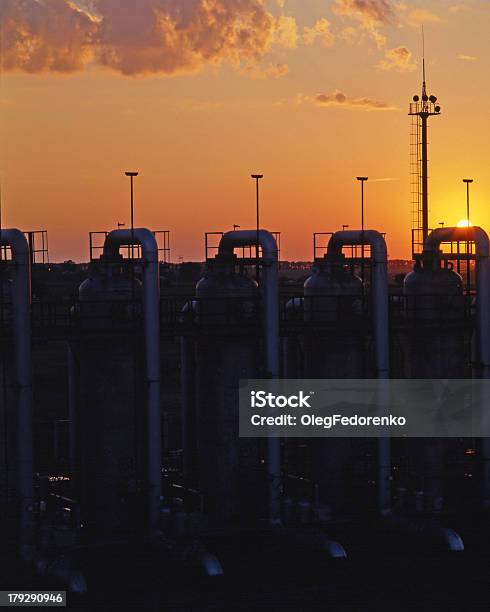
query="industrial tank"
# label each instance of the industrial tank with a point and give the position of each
(108, 403)
(227, 350)
(434, 309)
(434, 347)
(334, 348)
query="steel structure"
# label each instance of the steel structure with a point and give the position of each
(422, 107)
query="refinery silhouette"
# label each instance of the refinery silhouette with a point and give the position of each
(123, 478)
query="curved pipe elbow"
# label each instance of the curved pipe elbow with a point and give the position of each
(16, 240)
(142, 236)
(432, 533)
(451, 539)
(459, 234)
(210, 564)
(353, 237)
(245, 238)
(334, 550)
(65, 570)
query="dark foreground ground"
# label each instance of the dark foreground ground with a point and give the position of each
(384, 571)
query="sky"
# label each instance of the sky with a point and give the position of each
(198, 94)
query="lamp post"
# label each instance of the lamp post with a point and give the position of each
(362, 179)
(131, 176)
(468, 182)
(344, 227)
(257, 178)
(235, 227)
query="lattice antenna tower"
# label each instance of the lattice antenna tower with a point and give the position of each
(421, 108)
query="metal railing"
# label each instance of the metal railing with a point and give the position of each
(97, 240)
(247, 253)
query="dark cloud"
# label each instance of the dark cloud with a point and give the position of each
(134, 37)
(379, 11)
(51, 35)
(167, 36)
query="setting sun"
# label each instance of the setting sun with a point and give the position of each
(465, 223)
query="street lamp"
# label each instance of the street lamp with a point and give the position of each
(257, 178)
(468, 181)
(362, 179)
(131, 176)
(441, 223)
(235, 227)
(119, 225)
(344, 227)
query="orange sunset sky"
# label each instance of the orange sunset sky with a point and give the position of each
(197, 94)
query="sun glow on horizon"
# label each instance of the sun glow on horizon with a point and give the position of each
(312, 95)
(465, 223)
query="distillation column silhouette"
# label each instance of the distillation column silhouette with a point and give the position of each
(434, 346)
(234, 482)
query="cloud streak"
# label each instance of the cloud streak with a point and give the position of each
(468, 58)
(139, 37)
(339, 99)
(388, 179)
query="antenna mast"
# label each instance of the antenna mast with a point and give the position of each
(420, 109)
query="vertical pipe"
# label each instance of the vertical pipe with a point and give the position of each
(271, 323)
(483, 314)
(151, 306)
(21, 298)
(270, 289)
(381, 334)
(73, 409)
(151, 312)
(381, 340)
(482, 250)
(188, 388)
